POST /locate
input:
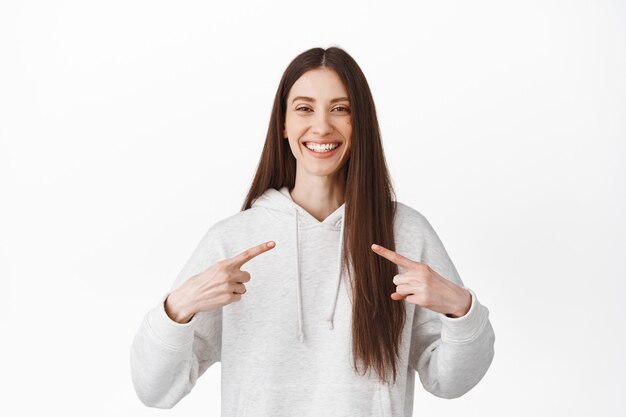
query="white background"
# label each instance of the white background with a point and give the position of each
(128, 128)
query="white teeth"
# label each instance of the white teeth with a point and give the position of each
(321, 148)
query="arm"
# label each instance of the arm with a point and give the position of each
(450, 354)
(167, 357)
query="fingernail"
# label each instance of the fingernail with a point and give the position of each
(270, 244)
(375, 247)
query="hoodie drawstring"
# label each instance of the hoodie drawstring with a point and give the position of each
(331, 316)
(299, 284)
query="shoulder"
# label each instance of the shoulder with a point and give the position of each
(409, 217)
(225, 231)
(412, 227)
(241, 220)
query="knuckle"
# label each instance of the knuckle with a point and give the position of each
(225, 288)
(222, 266)
(222, 276)
(428, 283)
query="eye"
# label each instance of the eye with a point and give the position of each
(346, 109)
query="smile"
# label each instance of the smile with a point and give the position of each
(321, 148)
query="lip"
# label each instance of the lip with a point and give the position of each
(323, 155)
(321, 142)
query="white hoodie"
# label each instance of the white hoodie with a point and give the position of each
(285, 347)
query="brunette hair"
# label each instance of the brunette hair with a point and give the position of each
(377, 320)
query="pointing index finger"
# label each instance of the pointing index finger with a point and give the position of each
(237, 261)
(394, 257)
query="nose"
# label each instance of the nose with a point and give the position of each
(321, 124)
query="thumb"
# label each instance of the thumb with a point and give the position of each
(397, 297)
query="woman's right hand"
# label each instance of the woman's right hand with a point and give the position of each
(217, 286)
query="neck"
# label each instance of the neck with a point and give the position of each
(319, 196)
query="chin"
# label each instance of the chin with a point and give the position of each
(323, 172)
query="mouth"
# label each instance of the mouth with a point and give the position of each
(324, 150)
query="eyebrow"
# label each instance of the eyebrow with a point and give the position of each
(312, 100)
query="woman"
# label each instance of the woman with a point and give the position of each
(322, 321)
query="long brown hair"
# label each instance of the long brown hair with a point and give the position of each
(377, 320)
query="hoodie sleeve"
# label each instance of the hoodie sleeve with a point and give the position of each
(451, 355)
(167, 357)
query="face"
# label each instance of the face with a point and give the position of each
(318, 114)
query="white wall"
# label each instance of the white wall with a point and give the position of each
(127, 128)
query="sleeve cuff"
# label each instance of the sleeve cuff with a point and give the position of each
(466, 328)
(166, 330)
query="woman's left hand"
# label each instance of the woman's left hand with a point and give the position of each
(420, 285)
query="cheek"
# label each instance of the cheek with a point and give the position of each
(296, 125)
(348, 130)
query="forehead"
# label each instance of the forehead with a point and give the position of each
(323, 84)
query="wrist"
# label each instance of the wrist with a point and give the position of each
(175, 310)
(462, 306)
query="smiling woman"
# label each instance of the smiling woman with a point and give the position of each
(346, 292)
(318, 127)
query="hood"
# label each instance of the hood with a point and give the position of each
(281, 203)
